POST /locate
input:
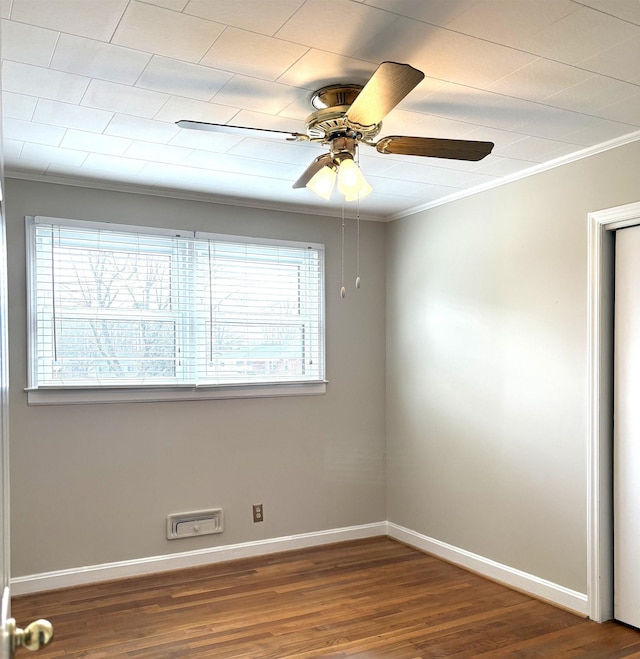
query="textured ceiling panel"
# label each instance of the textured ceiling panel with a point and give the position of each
(92, 90)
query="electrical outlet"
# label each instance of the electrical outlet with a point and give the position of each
(258, 515)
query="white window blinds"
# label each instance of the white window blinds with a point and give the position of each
(113, 305)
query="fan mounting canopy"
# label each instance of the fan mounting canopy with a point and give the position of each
(333, 95)
(330, 118)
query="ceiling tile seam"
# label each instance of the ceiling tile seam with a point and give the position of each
(331, 52)
(133, 146)
(156, 6)
(235, 74)
(144, 68)
(213, 43)
(263, 34)
(233, 107)
(406, 105)
(86, 155)
(606, 13)
(161, 9)
(46, 68)
(160, 109)
(590, 72)
(137, 86)
(53, 50)
(275, 34)
(35, 106)
(292, 87)
(21, 148)
(111, 81)
(527, 100)
(284, 73)
(593, 74)
(258, 34)
(576, 65)
(548, 59)
(115, 29)
(399, 16)
(602, 52)
(578, 112)
(598, 108)
(208, 169)
(137, 138)
(520, 50)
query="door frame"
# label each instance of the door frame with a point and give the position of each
(601, 261)
(5, 576)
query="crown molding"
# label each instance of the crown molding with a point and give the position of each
(184, 195)
(315, 210)
(525, 173)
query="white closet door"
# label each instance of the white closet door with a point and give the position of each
(626, 489)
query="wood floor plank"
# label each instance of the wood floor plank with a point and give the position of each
(372, 599)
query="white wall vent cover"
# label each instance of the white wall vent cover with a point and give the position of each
(200, 522)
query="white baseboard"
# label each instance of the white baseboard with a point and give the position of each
(35, 583)
(522, 581)
(516, 579)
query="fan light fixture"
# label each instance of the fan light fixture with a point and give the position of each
(323, 181)
(351, 182)
(348, 115)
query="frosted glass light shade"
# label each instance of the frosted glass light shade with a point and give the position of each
(351, 182)
(323, 181)
(360, 194)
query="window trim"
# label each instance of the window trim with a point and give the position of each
(118, 393)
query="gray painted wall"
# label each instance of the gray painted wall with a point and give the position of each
(94, 483)
(487, 366)
(486, 391)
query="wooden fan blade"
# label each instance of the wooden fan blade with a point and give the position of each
(434, 148)
(241, 130)
(313, 169)
(390, 83)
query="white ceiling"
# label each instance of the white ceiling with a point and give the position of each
(92, 88)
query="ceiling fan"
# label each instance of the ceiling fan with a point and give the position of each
(347, 115)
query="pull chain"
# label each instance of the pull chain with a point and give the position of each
(358, 232)
(343, 290)
(358, 244)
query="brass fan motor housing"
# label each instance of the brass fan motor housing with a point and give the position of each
(333, 95)
(329, 120)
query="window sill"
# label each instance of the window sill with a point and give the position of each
(141, 394)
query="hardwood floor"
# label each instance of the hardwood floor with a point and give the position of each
(371, 599)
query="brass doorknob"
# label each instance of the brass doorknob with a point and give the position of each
(33, 637)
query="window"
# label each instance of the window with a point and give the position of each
(117, 309)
